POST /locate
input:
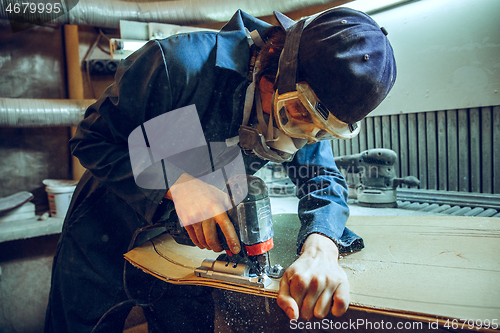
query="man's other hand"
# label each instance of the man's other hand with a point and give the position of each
(315, 280)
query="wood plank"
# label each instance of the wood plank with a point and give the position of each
(431, 142)
(335, 147)
(341, 147)
(403, 139)
(486, 150)
(452, 149)
(386, 132)
(475, 150)
(348, 147)
(413, 145)
(463, 151)
(30, 228)
(422, 149)
(370, 133)
(417, 271)
(426, 255)
(362, 136)
(377, 130)
(496, 150)
(395, 142)
(442, 151)
(354, 144)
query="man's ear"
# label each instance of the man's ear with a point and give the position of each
(266, 89)
(266, 86)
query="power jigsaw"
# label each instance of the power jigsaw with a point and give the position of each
(252, 221)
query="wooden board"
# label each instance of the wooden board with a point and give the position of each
(416, 267)
(169, 261)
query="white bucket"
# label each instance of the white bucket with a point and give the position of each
(59, 193)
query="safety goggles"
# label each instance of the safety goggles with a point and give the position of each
(300, 114)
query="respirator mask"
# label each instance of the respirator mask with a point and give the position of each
(261, 137)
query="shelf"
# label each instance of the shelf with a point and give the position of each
(30, 228)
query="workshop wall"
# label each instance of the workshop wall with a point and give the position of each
(442, 116)
(31, 66)
(446, 53)
(448, 150)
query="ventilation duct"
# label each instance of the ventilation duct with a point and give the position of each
(21, 112)
(107, 14)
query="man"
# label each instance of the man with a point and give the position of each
(334, 68)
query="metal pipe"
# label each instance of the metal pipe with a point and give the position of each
(452, 198)
(24, 112)
(107, 14)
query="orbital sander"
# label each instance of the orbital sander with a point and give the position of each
(371, 177)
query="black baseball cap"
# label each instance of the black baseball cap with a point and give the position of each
(345, 57)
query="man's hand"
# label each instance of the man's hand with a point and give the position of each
(310, 284)
(200, 207)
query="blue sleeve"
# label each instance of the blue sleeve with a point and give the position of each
(322, 193)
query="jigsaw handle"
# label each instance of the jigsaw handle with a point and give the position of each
(222, 240)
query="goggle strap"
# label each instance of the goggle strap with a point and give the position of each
(249, 95)
(270, 129)
(287, 75)
(257, 39)
(260, 114)
(247, 109)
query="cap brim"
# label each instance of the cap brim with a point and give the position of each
(283, 20)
